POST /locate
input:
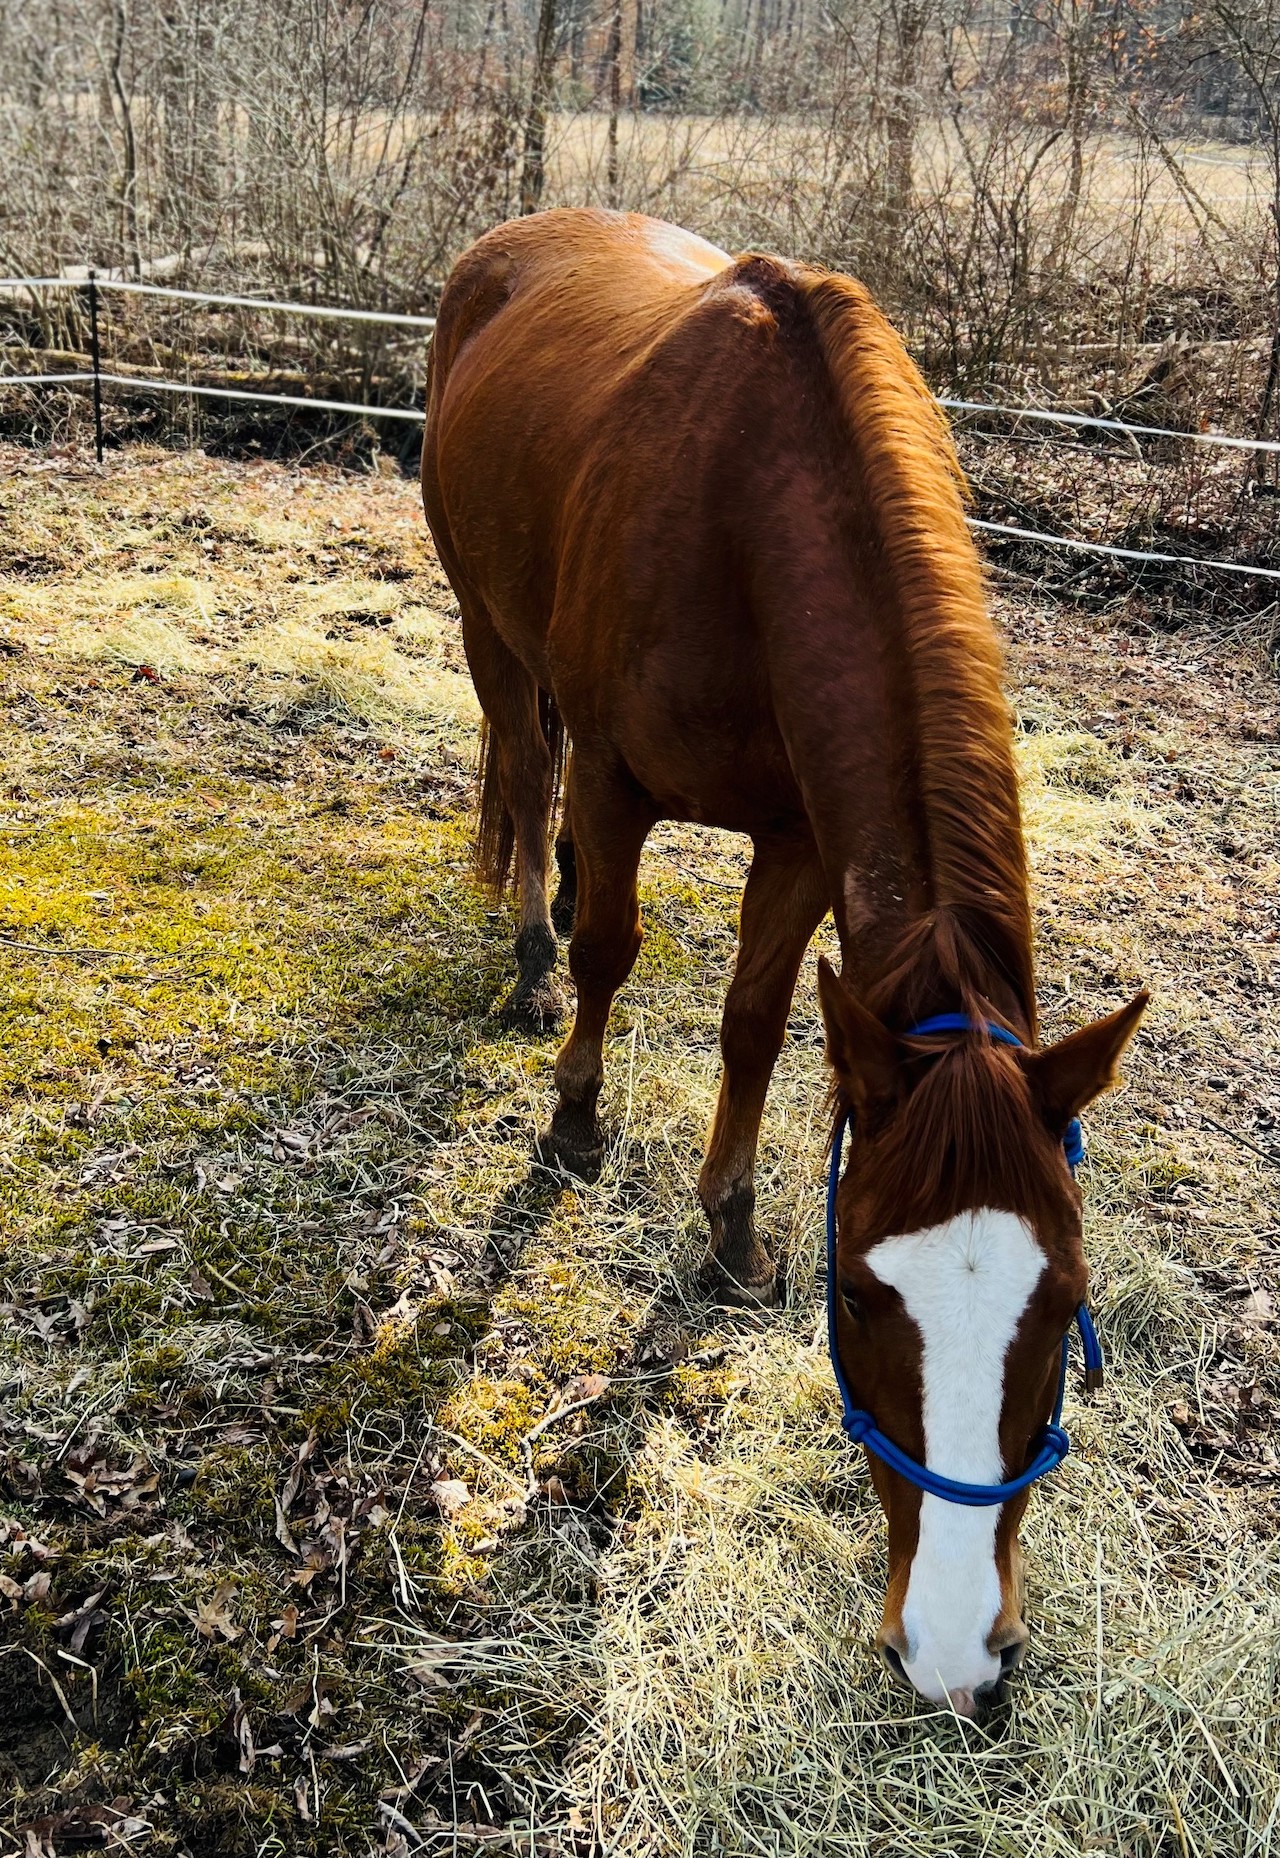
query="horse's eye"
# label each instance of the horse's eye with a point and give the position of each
(852, 1302)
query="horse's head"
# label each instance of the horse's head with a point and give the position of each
(959, 1266)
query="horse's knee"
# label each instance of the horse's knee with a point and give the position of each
(752, 1029)
(600, 963)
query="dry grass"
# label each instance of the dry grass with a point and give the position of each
(275, 1261)
(715, 156)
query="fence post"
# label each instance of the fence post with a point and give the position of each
(97, 365)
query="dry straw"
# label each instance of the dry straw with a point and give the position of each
(705, 1683)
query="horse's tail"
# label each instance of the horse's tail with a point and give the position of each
(495, 830)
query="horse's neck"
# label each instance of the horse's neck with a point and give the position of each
(912, 800)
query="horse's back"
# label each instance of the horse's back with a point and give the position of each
(608, 395)
(584, 375)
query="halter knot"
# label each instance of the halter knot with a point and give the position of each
(1055, 1440)
(1052, 1444)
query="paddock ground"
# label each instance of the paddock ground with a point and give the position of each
(295, 1556)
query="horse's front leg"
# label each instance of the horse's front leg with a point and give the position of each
(784, 901)
(611, 821)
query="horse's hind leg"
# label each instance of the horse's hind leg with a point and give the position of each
(784, 901)
(515, 809)
(611, 820)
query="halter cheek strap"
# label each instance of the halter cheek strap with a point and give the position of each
(1052, 1445)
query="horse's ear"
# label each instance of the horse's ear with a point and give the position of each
(1073, 1072)
(862, 1052)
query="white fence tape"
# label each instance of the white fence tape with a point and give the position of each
(334, 313)
(1124, 554)
(138, 383)
(331, 311)
(1113, 425)
(212, 393)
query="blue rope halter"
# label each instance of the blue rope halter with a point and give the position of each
(1053, 1444)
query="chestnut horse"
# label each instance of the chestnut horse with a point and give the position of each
(702, 515)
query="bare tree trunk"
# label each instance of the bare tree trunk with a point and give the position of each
(615, 100)
(901, 121)
(114, 100)
(1079, 50)
(533, 172)
(1263, 459)
(483, 59)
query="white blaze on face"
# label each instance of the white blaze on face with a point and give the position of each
(965, 1285)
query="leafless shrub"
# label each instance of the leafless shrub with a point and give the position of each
(1059, 198)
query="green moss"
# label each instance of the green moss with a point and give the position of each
(575, 1335)
(493, 1415)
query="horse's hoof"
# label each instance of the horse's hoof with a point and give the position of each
(728, 1292)
(570, 1151)
(539, 1008)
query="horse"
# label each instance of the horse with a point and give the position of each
(705, 525)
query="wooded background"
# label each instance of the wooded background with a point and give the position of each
(1067, 202)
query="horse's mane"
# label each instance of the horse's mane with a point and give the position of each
(914, 489)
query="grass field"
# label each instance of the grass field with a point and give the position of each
(362, 1492)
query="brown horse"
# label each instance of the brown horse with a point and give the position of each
(702, 515)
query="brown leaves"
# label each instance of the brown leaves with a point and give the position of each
(242, 1733)
(304, 1145)
(60, 1320)
(81, 1621)
(96, 1484)
(286, 1627)
(110, 1166)
(1257, 1309)
(449, 1494)
(212, 1617)
(113, 1828)
(288, 1495)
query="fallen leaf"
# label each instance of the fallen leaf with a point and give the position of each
(212, 1617)
(449, 1494)
(585, 1387)
(1257, 1308)
(287, 1624)
(242, 1733)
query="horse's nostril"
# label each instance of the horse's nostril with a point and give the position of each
(1011, 1657)
(894, 1662)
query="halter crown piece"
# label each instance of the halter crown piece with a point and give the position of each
(1053, 1444)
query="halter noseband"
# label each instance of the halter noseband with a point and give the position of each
(1053, 1444)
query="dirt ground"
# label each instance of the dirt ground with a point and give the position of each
(362, 1492)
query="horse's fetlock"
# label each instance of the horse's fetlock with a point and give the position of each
(536, 950)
